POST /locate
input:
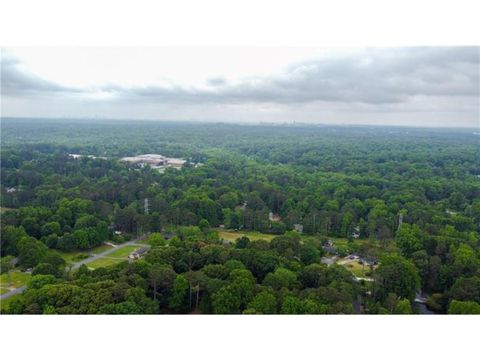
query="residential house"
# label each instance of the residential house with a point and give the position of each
(137, 254)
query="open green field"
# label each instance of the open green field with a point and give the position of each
(74, 256)
(15, 280)
(6, 302)
(3, 290)
(358, 269)
(71, 256)
(341, 241)
(143, 241)
(124, 252)
(232, 235)
(100, 249)
(252, 235)
(104, 262)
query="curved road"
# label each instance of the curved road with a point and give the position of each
(80, 263)
(13, 292)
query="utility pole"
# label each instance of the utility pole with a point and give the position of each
(146, 205)
(400, 221)
(198, 291)
(190, 304)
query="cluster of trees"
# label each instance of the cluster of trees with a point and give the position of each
(31, 254)
(65, 225)
(192, 273)
(412, 195)
(448, 264)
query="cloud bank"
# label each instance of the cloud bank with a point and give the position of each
(432, 80)
(16, 81)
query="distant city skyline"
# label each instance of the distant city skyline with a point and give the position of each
(419, 86)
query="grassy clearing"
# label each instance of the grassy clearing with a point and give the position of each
(74, 256)
(232, 235)
(71, 256)
(123, 252)
(4, 303)
(358, 269)
(100, 249)
(3, 290)
(340, 242)
(104, 262)
(15, 280)
(345, 242)
(252, 235)
(143, 241)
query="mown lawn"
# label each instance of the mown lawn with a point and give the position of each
(252, 235)
(123, 252)
(344, 241)
(5, 302)
(100, 249)
(15, 280)
(3, 291)
(255, 235)
(358, 269)
(143, 241)
(74, 256)
(104, 262)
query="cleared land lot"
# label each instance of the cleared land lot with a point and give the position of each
(123, 252)
(74, 256)
(5, 302)
(232, 235)
(358, 269)
(104, 261)
(15, 280)
(100, 249)
(252, 235)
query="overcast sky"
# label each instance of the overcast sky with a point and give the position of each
(423, 86)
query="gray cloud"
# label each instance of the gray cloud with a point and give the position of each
(379, 76)
(14, 81)
(216, 81)
(436, 82)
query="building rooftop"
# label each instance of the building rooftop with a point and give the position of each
(141, 251)
(154, 160)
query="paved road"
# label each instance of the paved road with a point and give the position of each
(420, 298)
(80, 263)
(357, 304)
(420, 304)
(13, 292)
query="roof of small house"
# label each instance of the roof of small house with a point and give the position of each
(140, 251)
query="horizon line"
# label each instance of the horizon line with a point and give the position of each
(226, 122)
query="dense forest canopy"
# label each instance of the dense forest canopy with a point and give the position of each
(409, 198)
